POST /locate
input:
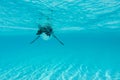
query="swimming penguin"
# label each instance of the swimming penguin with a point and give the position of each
(48, 30)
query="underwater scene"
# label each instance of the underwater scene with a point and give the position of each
(59, 39)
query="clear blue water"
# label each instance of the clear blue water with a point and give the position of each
(90, 30)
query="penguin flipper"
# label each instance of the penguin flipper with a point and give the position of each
(34, 40)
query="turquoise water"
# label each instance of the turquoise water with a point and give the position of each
(89, 29)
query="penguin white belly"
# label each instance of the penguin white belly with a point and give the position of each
(44, 36)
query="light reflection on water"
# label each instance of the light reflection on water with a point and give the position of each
(58, 72)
